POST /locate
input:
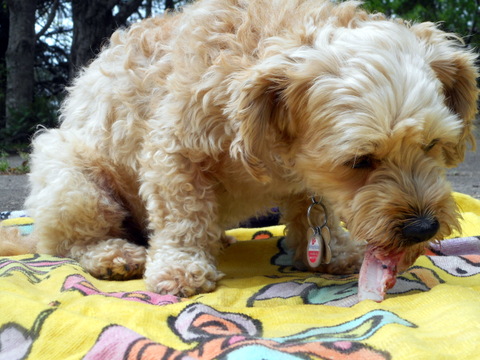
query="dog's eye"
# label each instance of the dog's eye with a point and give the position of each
(430, 146)
(361, 162)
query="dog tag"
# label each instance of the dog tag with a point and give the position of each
(315, 247)
(319, 237)
(327, 257)
(327, 237)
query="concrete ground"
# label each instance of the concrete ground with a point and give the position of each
(464, 179)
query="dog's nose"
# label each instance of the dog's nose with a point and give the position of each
(421, 228)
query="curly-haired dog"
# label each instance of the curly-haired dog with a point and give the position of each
(184, 124)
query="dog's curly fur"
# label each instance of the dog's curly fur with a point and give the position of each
(185, 124)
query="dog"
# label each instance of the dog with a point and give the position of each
(186, 124)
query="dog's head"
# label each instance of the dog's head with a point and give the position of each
(369, 116)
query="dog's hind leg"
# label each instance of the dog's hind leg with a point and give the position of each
(112, 259)
(75, 214)
(347, 255)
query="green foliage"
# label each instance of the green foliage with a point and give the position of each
(4, 164)
(6, 168)
(457, 16)
(25, 123)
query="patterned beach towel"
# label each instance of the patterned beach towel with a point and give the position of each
(263, 308)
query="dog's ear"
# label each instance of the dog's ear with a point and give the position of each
(259, 109)
(455, 67)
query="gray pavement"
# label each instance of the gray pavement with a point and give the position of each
(13, 191)
(465, 179)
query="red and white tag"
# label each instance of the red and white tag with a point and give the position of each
(314, 249)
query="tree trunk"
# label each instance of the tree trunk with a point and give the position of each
(4, 23)
(169, 5)
(20, 57)
(93, 24)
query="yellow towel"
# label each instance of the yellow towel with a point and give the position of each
(263, 309)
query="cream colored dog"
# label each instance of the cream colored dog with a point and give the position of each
(185, 125)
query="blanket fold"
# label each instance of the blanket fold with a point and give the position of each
(262, 309)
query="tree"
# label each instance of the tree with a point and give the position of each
(52, 50)
(4, 25)
(20, 57)
(93, 23)
(457, 16)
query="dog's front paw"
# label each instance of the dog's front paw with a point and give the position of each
(343, 264)
(184, 277)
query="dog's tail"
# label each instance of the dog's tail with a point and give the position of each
(12, 242)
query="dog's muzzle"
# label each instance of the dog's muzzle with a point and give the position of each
(419, 229)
